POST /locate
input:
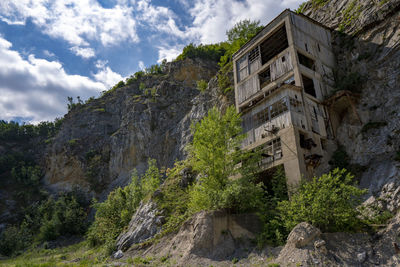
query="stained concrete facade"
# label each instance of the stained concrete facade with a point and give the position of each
(282, 77)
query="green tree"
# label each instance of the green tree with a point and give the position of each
(328, 202)
(151, 180)
(237, 36)
(243, 30)
(114, 214)
(216, 155)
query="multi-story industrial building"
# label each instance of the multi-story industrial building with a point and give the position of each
(282, 77)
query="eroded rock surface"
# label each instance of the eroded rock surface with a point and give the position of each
(145, 224)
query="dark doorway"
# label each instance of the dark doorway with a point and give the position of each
(274, 180)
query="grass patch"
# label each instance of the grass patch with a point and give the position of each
(351, 13)
(301, 8)
(75, 255)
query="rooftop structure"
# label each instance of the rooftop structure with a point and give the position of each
(282, 76)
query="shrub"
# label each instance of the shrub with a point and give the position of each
(202, 85)
(115, 213)
(328, 202)
(151, 179)
(274, 233)
(211, 52)
(301, 8)
(64, 216)
(45, 221)
(14, 239)
(174, 198)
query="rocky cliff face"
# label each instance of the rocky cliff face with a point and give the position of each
(101, 142)
(367, 42)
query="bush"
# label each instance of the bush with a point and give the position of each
(328, 202)
(211, 52)
(45, 221)
(114, 214)
(202, 85)
(274, 233)
(174, 198)
(64, 216)
(14, 239)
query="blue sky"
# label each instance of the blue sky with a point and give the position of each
(52, 49)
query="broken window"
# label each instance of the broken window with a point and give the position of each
(242, 69)
(261, 117)
(265, 77)
(254, 54)
(278, 108)
(306, 61)
(271, 151)
(269, 178)
(270, 112)
(254, 60)
(308, 84)
(274, 44)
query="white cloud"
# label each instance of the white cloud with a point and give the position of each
(84, 52)
(77, 21)
(211, 19)
(160, 19)
(141, 65)
(38, 88)
(47, 53)
(107, 77)
(168, 53)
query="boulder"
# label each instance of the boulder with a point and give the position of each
(302, 235)
(145, 224)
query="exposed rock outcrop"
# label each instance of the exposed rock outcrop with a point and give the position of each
(102, 141)
(145, 224)
(212, 235)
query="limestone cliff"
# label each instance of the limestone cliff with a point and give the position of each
(367, 42)
(101, 142)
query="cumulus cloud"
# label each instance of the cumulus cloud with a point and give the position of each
(84, 52)
(159, 18)
(168, 53)
(211, 19)
(47, 53)
(37, 88)
(77, 21)
(107, 76)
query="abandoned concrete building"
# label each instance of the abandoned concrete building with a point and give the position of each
(282, 76)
